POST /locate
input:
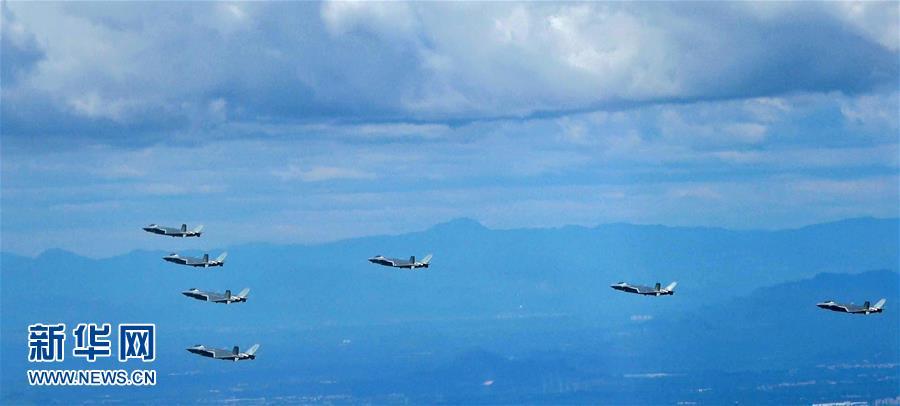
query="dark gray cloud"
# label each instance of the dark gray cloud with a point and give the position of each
(123, 73)
(19, 51)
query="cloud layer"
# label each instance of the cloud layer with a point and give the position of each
(302, 121)
(99, 69)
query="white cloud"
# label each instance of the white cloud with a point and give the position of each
(118, 171)
(853, 189)
(694, 192)
(93, 105)
(752, 133)
(176, 189)
(886, 156)
(320, 173)
(876, 20)
(677, 127)
(873, 111)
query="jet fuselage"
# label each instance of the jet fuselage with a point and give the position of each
(400, 263)
(849, 308)
(172, 231)
(193, 261)
(215, 297)
(642, 290)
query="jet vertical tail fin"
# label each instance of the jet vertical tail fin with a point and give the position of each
(427, 259)
(235, 350)
(866, 305)
(879, 304)
(228, 293)
(252, 350)
(671, 286)
(205, 257)
(221, 258)
(658, 286)
(244, 293)
(183, 228)
(412, 259)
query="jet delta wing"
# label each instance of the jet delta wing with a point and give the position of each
(853, 308)
(174, 232)
(411, 263)
(194, 261)
(220, 353)
(216, 297)
(657, 290)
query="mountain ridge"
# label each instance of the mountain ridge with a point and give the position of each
(461, 224)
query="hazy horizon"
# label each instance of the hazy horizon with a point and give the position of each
(156, 246)
(529, 310)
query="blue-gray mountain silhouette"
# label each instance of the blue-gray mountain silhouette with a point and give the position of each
(513, 293)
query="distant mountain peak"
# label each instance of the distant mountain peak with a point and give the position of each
(856, 221)
(58, 253)
(462, 224)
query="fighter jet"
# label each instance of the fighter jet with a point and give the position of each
(646, 290)
(193, 261)
(852, 308)
(220, 353)
(401, 263)
(216, 297)
(174, 232)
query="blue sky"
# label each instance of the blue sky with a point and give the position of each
(309, 122)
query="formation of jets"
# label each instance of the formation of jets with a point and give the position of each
(658, 290)
(411, 263)
(227, 298)
(220, 353)
(216, 297)
(194, 261)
